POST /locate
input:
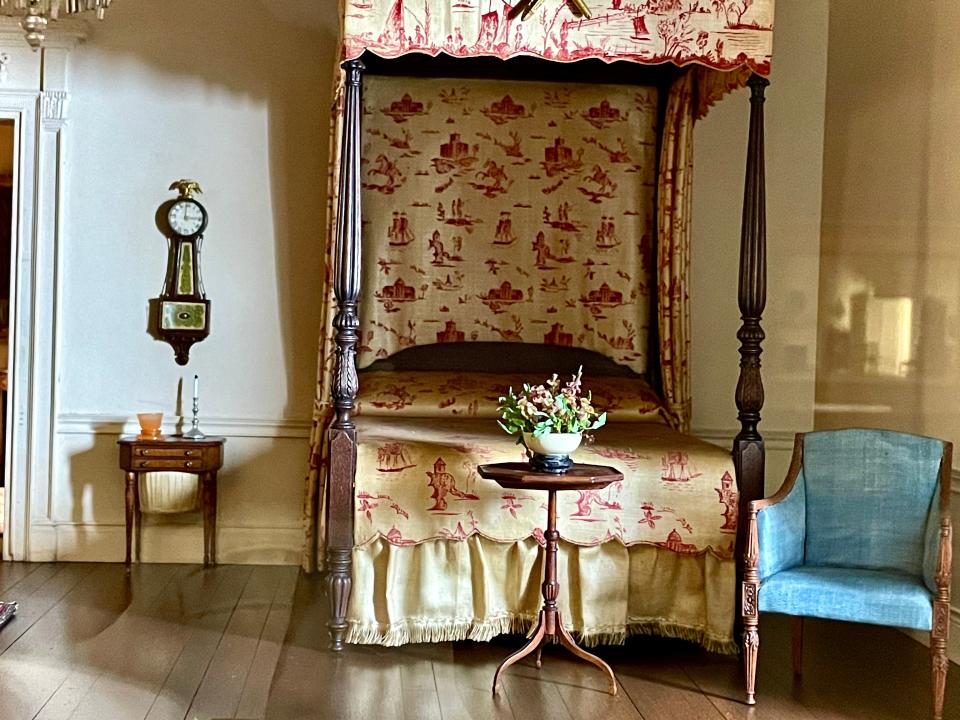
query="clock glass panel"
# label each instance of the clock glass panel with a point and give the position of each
(185, 275)
(183, 316)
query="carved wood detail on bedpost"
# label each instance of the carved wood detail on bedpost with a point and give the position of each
(940, 632)
(343, 432)
(748, 450)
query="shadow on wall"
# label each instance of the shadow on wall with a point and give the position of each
(98, 490)
(889, 344)
(241, 47)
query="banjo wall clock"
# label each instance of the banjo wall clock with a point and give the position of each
(183, 312)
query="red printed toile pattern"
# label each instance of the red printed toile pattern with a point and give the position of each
(476, 395)
(417, 480)
(521, 215)
(719, 34)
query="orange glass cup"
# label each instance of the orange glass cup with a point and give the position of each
(150, 423)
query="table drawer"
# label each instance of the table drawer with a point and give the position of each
(167, 463)
(171, 453)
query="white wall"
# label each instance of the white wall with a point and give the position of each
(794, 143)
(237, 99)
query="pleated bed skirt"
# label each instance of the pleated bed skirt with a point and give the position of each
(477, 588)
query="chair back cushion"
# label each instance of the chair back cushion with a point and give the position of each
(869, 493)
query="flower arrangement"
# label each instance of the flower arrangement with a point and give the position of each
(550, 408)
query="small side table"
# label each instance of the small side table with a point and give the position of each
(171, 452)
(520, 476)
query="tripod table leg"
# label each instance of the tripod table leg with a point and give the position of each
(539, 635)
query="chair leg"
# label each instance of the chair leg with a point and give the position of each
(751, 648)
(938, 654)
(797, 631)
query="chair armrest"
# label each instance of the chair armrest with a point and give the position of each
(782, 521)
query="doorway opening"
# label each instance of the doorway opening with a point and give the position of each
(7, 165)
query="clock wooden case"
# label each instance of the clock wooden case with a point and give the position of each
(183, 311)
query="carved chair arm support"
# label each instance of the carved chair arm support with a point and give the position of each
(938, 548)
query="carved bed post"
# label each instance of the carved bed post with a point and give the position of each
(748, 451)
(343, 432)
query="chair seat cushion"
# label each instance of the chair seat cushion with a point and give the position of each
(869, 596)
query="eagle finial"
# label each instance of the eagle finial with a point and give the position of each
(186, 188)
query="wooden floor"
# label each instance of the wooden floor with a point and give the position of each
(177, 641)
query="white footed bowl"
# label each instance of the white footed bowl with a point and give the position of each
(553, 443)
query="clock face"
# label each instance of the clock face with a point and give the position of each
(185, 218)
(183, 316)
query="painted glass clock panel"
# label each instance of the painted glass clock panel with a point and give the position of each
(185, 284)
(183, 316)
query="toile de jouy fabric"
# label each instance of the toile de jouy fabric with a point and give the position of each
(476, 589)
(434, 394)
(675, 201)
(417, 480)
(522, 214)
(715, 33)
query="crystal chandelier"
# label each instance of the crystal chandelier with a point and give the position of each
(37, 14)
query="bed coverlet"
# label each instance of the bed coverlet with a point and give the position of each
(417, 481)
(442, 554)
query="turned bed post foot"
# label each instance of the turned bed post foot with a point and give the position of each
(338, 592)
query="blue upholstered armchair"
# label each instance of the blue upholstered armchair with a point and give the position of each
(859, 531)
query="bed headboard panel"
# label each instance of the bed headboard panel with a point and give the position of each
(519, 211)
(532, 360)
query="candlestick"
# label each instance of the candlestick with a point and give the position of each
(194, 433)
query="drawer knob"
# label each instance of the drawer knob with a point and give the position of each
(188, 464)
(188, 453)
(144, 463)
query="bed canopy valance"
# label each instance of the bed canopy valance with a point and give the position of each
(720, 34)
(700, 50)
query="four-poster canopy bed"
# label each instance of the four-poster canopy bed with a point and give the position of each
(454, 124)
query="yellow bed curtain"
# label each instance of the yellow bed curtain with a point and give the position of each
(674, 198)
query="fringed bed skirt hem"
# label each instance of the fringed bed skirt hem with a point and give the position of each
(435, 631)
(432, 631)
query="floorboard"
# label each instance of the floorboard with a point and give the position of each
(180, 686)
(180, 642)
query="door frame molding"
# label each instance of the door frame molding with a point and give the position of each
(37, 101)
(23, 109)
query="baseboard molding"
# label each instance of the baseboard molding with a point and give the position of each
(165, 543)
(97, 424)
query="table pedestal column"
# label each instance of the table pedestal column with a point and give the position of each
(550, 624)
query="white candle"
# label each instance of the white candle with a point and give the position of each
(196, 388)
